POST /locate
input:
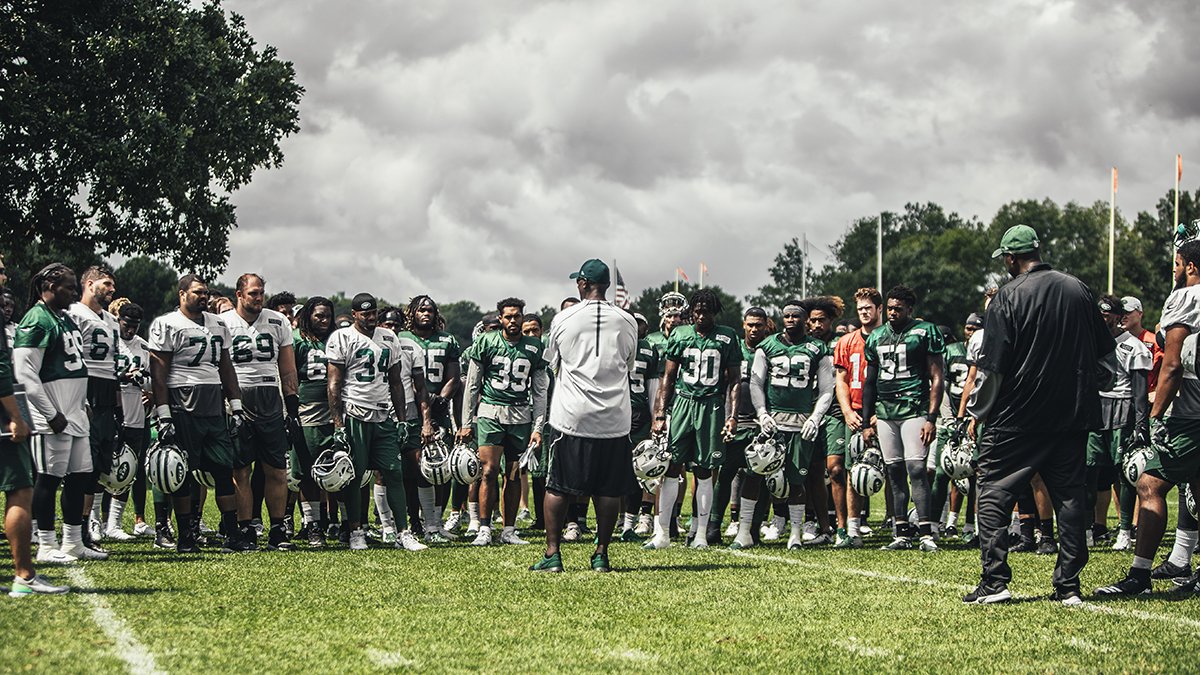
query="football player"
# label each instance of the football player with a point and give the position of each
(1133, 324)
(643, 387)
(830, 455)
(792, 385)
(1176, 440)
(192, 376)
(49, 362)
(314, 323)
(133, 372)
(850, 364)
(703, 372)
(904, 384)
(366, 383)
(973, 329)
(754, 331)
(441, 352)
(505, 409)
(531, 326)
(1124, 414)
(956, 379)
(283, 302)
(99, 330)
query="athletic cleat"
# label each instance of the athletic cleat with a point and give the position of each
(600, 562)
(187, 543)
(698, 542)
(240, 544)
(81, 552)
(435, 537)
(316, 536)
(841, 541)
(94, 531)
(38, 584)
(483, 538)
(969, 537)
(453, 521)
(1124, 541)
(472, 528)
(289, 526)
(388, 535)
(162, 537)
(548, 563)
(256, 523)
(1169, 570)
(1134, 583)
(358, 540)
(732, 530)
(1067, 598)
(583, 528)
(951, 532)
(856, 542)
(117, 534)
(927, 544)
(769, 532)
(445, 533)
(987, 596)
(865, 530)
(810, 531)
(511, 537)
(278, 540)
(206, 530)
(898, 544)
(741, 543)
(645, 525)
(657, 542)
(523, 514)
(1101, 534)
(819, 540)
(571, 532)
(630, 536)
(795, 543)
(52, 556)
(1186, 586)
(334, 531)
(1047, 546)
(408, 541)
(1023, 546)
(142, 529)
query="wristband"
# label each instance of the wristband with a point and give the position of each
(235, 405)
(163, 412)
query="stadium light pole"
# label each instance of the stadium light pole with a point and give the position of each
(1112, 228)
(879, 255)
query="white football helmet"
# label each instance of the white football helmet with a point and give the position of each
(435, 463)
(672, 302)
(293, 481)
(465, 466)
(333, 470)
(963, 485)
(1189, 499)
(166, 467)
(765, 455)
(777, 484)
(368, 478)
(204, 478)
(1187, 354)
(957, 462)
(651, 459)
(120, 476)
(1135, 463)
(866, 478)
(651, 485)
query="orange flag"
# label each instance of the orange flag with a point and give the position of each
(680, 272)
(1114, 179)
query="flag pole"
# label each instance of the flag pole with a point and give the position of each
(676, 279)
(701, 275)
(1112, 229)
(879, 256)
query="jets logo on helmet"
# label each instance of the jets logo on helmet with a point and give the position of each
(293, 479)
(120, 476)
(204, 478)
(1134, 464)
(765, 455)
(166, 468)
(1185, 232)
(464, 464)
(651, 459)
(435, 463)
(1187, 354)
(866, 478)
(333, 470)
(777, 485)
(957, 461)
(963, 485)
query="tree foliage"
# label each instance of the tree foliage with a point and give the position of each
(150, 284)
(125, 125)
(646, 303)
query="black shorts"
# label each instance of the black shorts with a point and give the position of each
(263, 440)
(590, 466)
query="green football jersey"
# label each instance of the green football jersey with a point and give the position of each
(507, 367)
(956, 373)
(57, 334)
(792, 372)
(703, 359)
(311, 369)
(658, 342)
(644, 368)
(440, 349)
(902, 368)
(835, 410)
(745, 405)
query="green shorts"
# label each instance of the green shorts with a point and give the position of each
(302, 455)
(735, 450)
(263, 440)
(833, 436)
(206, 440)
(514, 438)
(16, 466)
(799, 456)
(410, 433)
(1104, 448)
(696, 426)
(1179, 462)
(373, 445)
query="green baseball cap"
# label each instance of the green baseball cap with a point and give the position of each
(1018, 239)
(593, 270)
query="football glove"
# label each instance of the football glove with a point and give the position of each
(767, 423)
(810, 429)
(1158, 432)
(166, 431)
(529, 460)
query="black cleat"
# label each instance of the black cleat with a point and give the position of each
(1186, 586)
(187, 543)
(1169, 570)
(600, 562)
(1023, 546)
(1067, 598)
(1137, 582)
(240, 544)
(278, 540)
(316, 536)
(983, 595)
(163, 537)
(289, 526)
(1047, 547)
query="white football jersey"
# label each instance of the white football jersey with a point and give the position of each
(134, 355)
(195, 347)
(367, 361)
(1132, 354)
(412, 358)
(100, 336)
(1182, 308)
(255, 347)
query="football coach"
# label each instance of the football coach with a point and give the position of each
(591, 348)
(1045, 356)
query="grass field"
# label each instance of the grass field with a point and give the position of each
(458, 608)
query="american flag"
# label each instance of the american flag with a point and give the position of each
(621, 294)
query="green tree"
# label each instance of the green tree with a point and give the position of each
(150, 284)
(461, 317)
(126, 125)
(646, 303)
(21, 264)
(547, 314)
(786, 278)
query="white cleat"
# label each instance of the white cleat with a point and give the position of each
(699, 541)
(810, 531)
(408, 541)
(795, 543)
(1124, 541)
(52, 556)
(927, 544)
(81, 552)
(472, 528)
(742, 542)
(446, 533)
(510, 537)
(657, 542)
(732, 530)
(769, 532)
(94, 530)
(143, 529)
(23, 588)
(358, 540)
(117, 534)
(484, 538)
(645, 525)
(388, 535)
(571, 533)
(453, 521)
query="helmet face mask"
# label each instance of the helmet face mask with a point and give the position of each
(333, 470)
(765, 455)
(435, 463)
(1134, 464)
(651, 459)
(672, 302)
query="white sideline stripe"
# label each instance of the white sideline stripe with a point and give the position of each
(1090, 606)
(389, 659)
(127, 647)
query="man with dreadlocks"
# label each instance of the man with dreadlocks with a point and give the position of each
(704, 369)
(672, 312)
(48, 361)
(314, 323)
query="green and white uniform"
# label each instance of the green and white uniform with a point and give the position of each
(1179, 462)
(643, 383)
(133, 355)
(956, 381)
(100, 333)
(793, 383)
(194, 385)
(16, 464)
(698, 414)
(254, 350)
(373, 435)
(902, 380)
(506, 391)
(316, 422)
(439, 350)
(835, 435)
(412, 366)
(658, 342)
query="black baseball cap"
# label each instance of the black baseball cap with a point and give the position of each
(363, 302)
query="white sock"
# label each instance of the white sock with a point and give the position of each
(311, 511)
(115, 511)
(47, 539)
(72, 536)
(629, 521)
(1140, 563)
(473, 512)
(796, 515)
(1185, 543)
(97, 502)
(485, 528)
(952, 519)
(704, 502)
(431, 515)
(852, 527)
(381, 505)
(667, 493)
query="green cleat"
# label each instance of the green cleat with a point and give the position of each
(599, 562)
(631, 536)
(548, 563)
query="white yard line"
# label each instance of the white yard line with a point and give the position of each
(128, 648)
(388, 660)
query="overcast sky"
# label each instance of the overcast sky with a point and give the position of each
(479, 150)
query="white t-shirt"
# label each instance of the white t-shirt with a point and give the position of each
(255, 347)
(1132, 354)
(195, 348)
(592, 347)
(367, 361)
(134, 355)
